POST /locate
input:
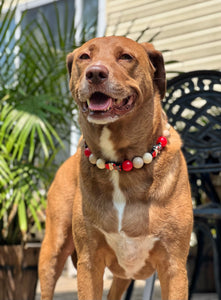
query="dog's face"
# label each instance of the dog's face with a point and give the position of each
(110, 77)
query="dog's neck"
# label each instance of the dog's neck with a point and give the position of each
(124, 138)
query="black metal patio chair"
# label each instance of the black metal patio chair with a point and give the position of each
(193, 107)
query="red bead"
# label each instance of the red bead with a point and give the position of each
(87, 152)
(162, 140)
(154, 154)
(127, 165)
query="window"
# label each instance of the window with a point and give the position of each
(65, 8)
(85, 11)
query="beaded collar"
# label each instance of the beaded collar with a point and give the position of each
(137, 162)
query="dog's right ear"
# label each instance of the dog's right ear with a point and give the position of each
(69, 62)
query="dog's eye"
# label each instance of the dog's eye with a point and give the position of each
(126, 56)
(84, 56)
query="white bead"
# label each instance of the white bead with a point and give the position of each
(166, 133)
(100, 163)
(167, 126)
(92, 159)
(147, 158)
(138, 162)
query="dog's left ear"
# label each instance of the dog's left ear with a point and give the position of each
(157, 61)
(69, 62)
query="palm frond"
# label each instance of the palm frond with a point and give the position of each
(36, 113)
(27, 122)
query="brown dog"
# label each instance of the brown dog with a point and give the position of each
(123, 200)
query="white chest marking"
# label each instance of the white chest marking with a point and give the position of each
(131, 252)
(106, 145)
(119, 199)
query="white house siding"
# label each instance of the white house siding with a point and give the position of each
(189, 30)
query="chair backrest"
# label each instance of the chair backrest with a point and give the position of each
(193, 107)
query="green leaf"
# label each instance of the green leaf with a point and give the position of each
(5, 174)
(32, 144)
(35, 217)
(61, 42)
(43, 142)
(22, 217)
(49, 31)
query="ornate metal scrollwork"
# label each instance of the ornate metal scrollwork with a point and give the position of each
(193, 107)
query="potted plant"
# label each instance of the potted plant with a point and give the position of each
(36, 111)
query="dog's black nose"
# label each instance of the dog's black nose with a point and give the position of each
(97, 74)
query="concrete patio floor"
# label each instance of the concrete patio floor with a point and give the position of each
(66, 289)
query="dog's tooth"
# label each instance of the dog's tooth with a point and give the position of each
(119, 101)
(88, 102)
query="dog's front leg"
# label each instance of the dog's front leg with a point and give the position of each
(56, 246)
(173, 281)
(119, 285)
(90, 270)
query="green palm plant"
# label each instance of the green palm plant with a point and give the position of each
(36, 111)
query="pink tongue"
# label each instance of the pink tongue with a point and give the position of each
(100, 102)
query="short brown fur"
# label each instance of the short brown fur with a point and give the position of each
(158, 201)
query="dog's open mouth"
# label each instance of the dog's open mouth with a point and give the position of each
(102, 106)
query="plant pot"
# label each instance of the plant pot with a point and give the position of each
(18, 271)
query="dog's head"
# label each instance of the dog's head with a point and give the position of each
(110, 77)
